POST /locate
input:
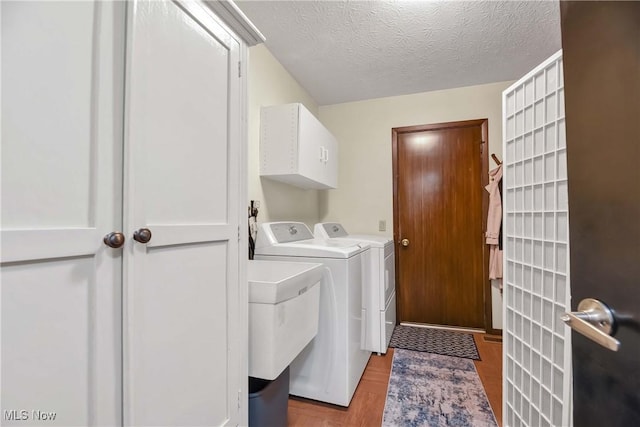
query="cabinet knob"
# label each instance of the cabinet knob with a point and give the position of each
(114, 240)
(142, 235)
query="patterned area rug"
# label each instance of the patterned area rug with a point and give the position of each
(434, 390)
(439, 341)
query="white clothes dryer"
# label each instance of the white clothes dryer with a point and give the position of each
(379, 292)
(330, 367)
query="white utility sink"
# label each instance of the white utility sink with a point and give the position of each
(284, 300)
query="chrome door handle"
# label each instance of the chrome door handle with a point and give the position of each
(595, 321)
(142, 235)
(115, 239)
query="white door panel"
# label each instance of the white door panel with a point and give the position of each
(33, 244)
(177, 326)
(164, 235)
(54, 317)
(48, 71)
(182, 287)
(180, 106)
(61, 180)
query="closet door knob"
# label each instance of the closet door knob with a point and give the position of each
(142, 235)
(405, 242)
(114, 240)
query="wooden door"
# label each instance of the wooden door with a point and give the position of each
(439, 213)
(185, 308)
(62, 92)
(601, 48)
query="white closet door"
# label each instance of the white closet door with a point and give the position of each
(537, 345)
(61, 192)
(184, 336)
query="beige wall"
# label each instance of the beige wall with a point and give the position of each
(270, 84)
(363, 129)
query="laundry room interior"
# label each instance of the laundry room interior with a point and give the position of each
(363, 201)
(313, 213)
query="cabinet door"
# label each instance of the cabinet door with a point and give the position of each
(330, 171)
(312, 148)
(62, 92)
(185, 333)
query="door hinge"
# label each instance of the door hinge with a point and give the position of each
(482, 146)
(239, 398)
(239, 69)
(238, 233)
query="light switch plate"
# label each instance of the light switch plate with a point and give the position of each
(382, 225)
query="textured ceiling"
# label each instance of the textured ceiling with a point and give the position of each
(342, 51)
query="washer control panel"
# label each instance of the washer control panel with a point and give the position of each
(334, 229)
(285, 232)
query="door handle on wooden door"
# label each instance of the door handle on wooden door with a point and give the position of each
(595, 321)
(405, 242)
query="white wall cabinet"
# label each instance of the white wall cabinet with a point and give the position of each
(296, 148)
(102, 135)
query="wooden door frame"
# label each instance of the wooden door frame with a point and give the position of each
(484, 124)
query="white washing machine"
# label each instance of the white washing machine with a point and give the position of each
(379, 292)
(330, 367)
